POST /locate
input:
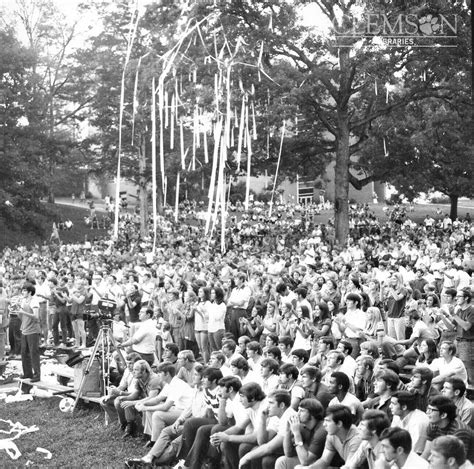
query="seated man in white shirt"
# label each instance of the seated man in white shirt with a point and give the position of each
(349, 366)
(269, 375)
(407, 416)
(448, 365)
(178, 398)
(339, 386)
(397, 449)
(271, 429)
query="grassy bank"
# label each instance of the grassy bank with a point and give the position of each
(80, 230)
(79, 440)
(9, 237)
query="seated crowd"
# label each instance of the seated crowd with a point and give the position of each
(307, 355)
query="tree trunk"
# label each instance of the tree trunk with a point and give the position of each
(454, 207)
(341, 180)
(142, 189)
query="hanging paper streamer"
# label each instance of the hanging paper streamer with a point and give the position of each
(173, 115)
(166, 110)
(181, 141)
(130, 41)
(135, 99)
(277, 169)
(254, 122)
(206, 150)
(249, 167)
(176, 206)
(217, 138)
(241, 133)
(385, 147)
(165, 197)
(387, 85)
(153, 161)
(376, 90)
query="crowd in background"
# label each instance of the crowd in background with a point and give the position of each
(284, 351)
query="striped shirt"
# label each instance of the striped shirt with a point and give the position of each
(212, 401)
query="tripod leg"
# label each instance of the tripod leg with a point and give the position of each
(88, 367)
(114, 347)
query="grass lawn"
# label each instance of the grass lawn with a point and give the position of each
(9, 237)
(79, 440)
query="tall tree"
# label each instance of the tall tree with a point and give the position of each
(340, 69)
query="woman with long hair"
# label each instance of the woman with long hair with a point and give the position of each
(216, 326)
(201, 322)
(322, 321)
(374, 293)
(430, 313)
(300, 330)
(253, 327)
(374, 326)
(270, 321)
(395, 297)
(428, 352)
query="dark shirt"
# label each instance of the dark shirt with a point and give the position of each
(321, 393)
(456, 428)
(467, 315)
(135, 297)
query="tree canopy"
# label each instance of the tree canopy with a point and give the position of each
(341, 89)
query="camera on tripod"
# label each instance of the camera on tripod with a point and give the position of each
(106, 309)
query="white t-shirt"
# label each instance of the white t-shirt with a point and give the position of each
(455, 366)
(179, 392)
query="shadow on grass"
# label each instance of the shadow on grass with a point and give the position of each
(79, 440)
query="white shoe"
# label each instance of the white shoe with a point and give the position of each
(180, 464)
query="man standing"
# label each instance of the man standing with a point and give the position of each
(464, 320)
(237, 304)
(30, 334)
(43, 294)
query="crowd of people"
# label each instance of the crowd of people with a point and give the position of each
(285, 351)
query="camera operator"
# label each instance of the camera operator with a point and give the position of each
(96, 291)
(143, 341)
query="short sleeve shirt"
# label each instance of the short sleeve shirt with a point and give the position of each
(345, 448)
